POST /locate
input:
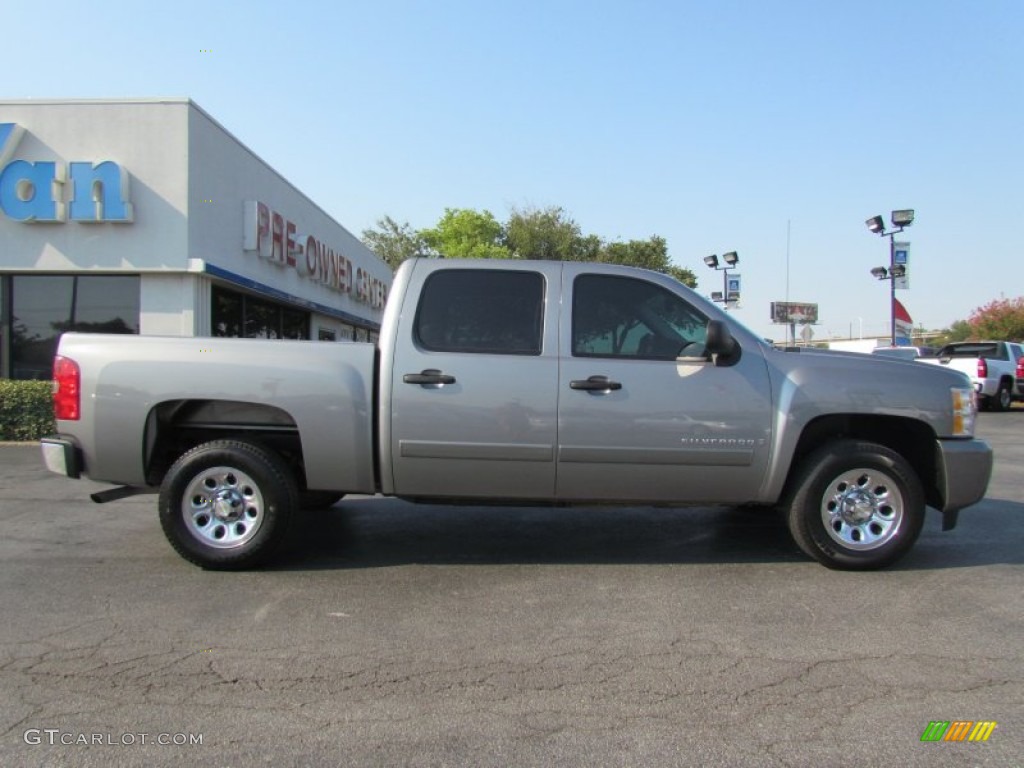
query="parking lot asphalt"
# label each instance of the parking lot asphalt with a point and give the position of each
(396, 634)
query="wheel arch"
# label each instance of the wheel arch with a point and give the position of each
(912, 439)
(174, 427)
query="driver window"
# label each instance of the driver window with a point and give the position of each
(630, 318)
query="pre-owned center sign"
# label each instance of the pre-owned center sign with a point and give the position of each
(276, 238)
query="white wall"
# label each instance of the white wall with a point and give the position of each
(174, 305)
(188, 180)
(225, 172)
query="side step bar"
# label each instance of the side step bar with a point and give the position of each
(122, 492)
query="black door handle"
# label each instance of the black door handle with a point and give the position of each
(595, 384)
(429, 376)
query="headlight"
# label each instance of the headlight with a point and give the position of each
(964, 411)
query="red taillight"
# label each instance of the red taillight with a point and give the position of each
(1020, 367)
(982, 368)
(67, 380)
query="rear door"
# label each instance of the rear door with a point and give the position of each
(473, 390)
(643, 414)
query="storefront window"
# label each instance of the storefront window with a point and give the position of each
(294, 324)
(45, 306)
(227, 313)
(237, 314)
(326, 334)
(262, 319)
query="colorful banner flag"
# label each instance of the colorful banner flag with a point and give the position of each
(904, 324)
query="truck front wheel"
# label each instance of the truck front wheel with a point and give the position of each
(226, 504)
(855, 505)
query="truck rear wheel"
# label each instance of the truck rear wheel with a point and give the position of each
(226, 504)
(1002, 399)
(855, 506)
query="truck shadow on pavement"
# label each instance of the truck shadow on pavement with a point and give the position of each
(375, 533)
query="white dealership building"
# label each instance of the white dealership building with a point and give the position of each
(147, 216)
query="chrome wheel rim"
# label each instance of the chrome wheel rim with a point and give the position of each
(862, 509)
(223, 507)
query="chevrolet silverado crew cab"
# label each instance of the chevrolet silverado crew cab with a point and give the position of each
(526, 383)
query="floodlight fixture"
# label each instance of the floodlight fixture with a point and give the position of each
(903, 218)
(729, 260)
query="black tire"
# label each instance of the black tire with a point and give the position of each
(319, 499)
(1002, 399)
(226, 504)
(855, 505)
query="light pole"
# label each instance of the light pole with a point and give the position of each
(901, 219)
(731, 259)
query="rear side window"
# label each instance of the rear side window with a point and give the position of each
(481, 311)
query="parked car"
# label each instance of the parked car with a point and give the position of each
(994, 367)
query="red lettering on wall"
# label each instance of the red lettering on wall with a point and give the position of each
(277, 237)
(312, 246)
(290, 245)
(262, 229)
(277, 240)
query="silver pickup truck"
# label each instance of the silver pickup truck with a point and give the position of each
(520, 382)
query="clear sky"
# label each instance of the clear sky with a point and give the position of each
(718, 125)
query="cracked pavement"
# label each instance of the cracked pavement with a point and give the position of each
(392, 634)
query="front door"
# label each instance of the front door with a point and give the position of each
(644, 415)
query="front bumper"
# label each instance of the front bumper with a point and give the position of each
(964, 468)
(62, 456)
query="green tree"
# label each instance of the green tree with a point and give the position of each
(463, 233)
(395, 242)
(647, 254)
(960, 330)
(549, 234)
(530, 233)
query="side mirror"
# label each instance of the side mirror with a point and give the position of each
(720, 344)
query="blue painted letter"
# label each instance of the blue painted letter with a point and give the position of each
(99, 193)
